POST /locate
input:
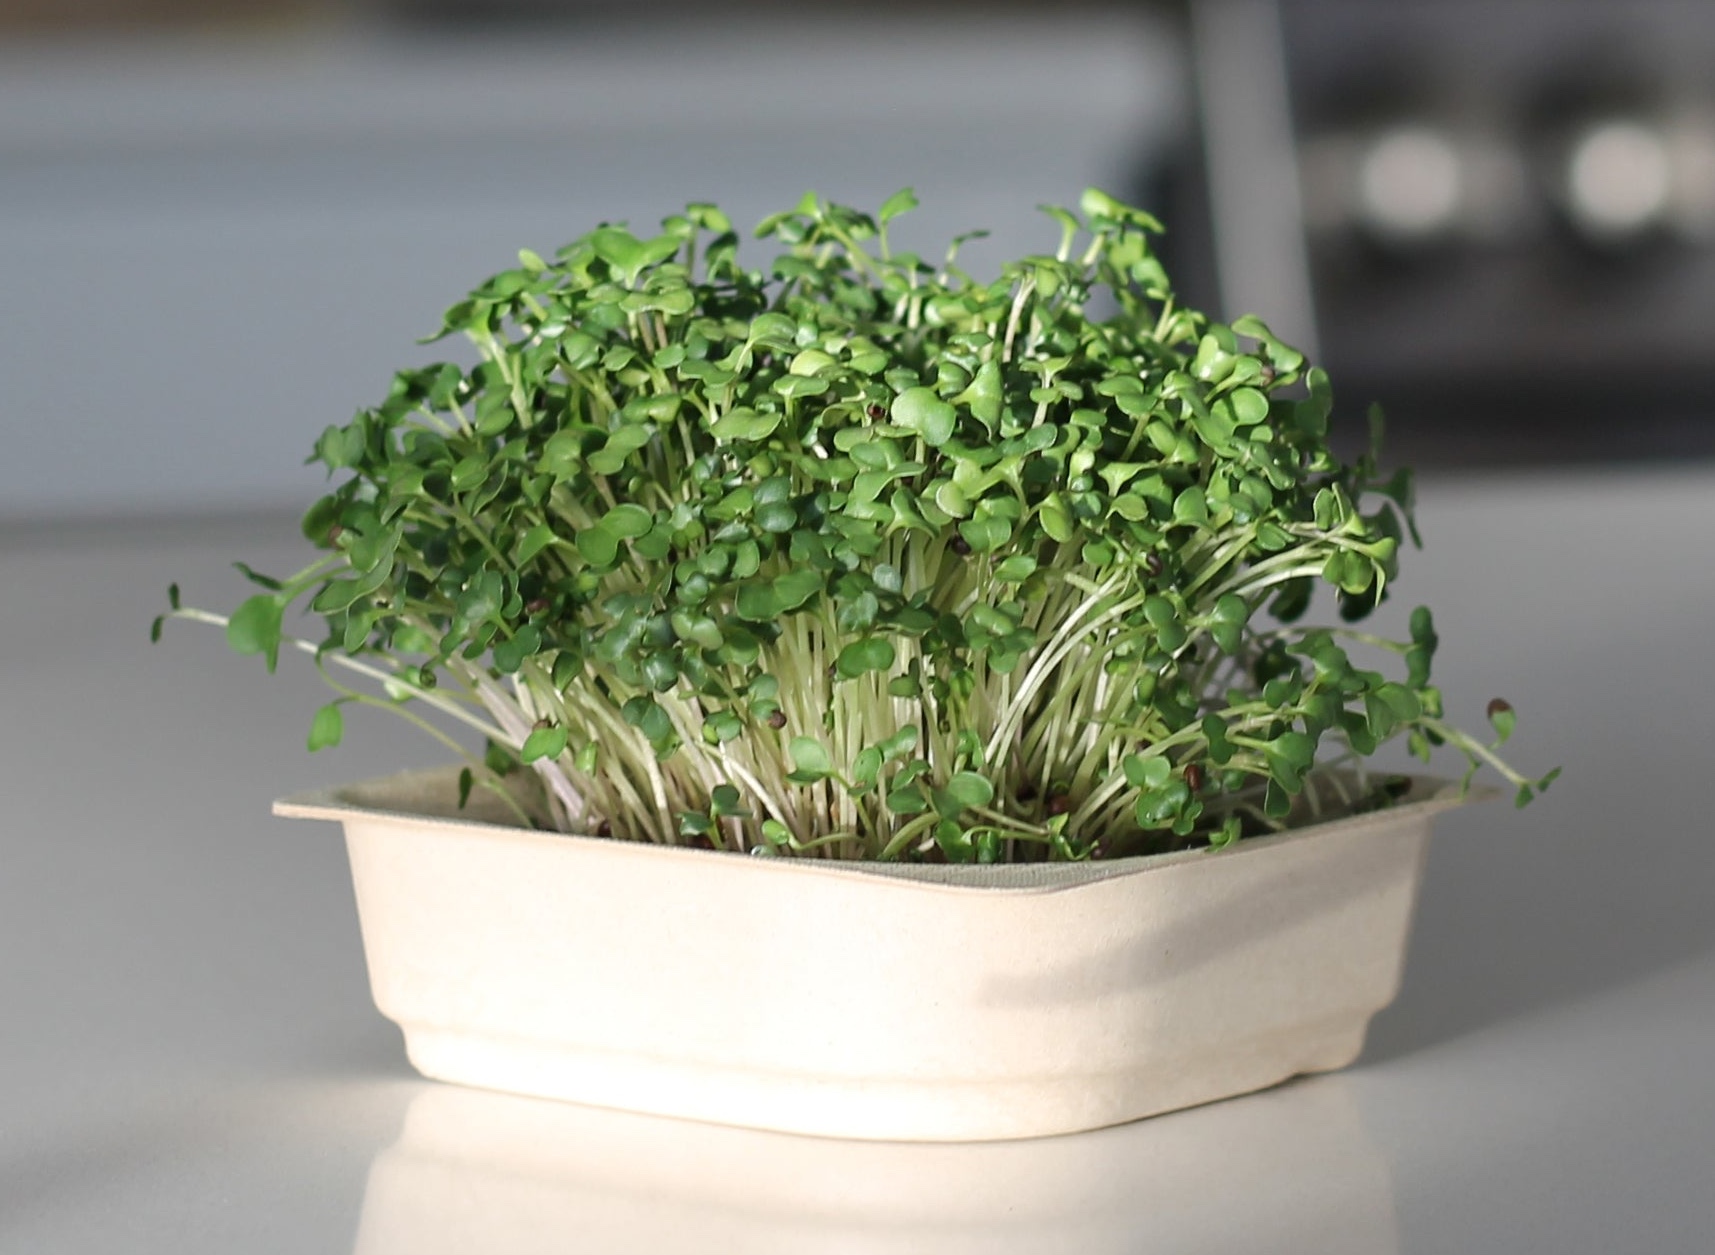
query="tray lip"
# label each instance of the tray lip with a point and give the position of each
(1429, 796)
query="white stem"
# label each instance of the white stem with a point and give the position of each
(1047, 660)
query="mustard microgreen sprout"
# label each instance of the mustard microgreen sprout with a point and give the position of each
(857, 556)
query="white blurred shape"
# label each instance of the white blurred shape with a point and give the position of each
(1619, 179)
(1410, 184)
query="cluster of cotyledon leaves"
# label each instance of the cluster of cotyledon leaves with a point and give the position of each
(860, 556)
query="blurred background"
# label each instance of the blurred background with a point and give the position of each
(223, 224)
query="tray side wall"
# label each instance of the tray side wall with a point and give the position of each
(876, 1007)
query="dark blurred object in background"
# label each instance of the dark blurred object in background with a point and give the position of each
(1507, 212)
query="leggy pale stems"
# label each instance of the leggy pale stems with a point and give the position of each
(860, 558)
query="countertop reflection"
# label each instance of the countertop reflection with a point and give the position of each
(505, 1175)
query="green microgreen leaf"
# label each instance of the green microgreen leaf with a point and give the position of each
(907, 799)
(542, 743)
(1146, 773)
(1502, 717)
(326, 728)
(598, 545)
(921, 411)
(255, 627)
(627, 521)
(255, 577)
(743, 424)
(872, 653)
(533, 542)
(902, 201)
(810, 761)
(511, 654)
(969, 789)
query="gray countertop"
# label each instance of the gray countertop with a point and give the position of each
(189, 1061)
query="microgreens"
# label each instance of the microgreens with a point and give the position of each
(861, 557)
